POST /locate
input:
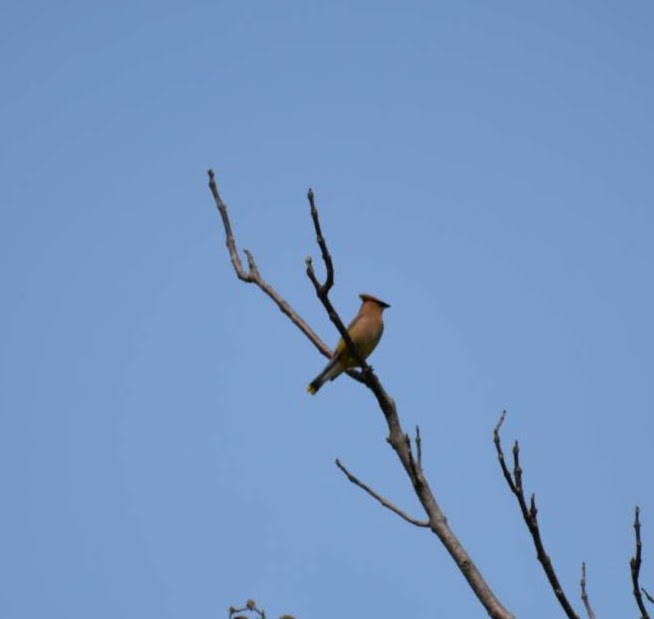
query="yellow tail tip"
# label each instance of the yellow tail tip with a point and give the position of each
(312, 390)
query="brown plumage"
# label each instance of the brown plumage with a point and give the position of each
(365, 330)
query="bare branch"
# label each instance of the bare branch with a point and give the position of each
(530, 515)
(254, 277)
(326, 256)
(500, 454)
(231, 244)
(635, 564)
(396, 437)
(584, 594)
(650, 599)
(384, 501)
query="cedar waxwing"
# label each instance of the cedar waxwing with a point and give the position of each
(365, 330)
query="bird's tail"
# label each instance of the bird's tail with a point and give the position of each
(333, 369)
(314, 385)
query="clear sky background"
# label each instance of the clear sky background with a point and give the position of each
(484, 167)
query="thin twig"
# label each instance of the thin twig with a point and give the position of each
(231, 244)
(416, 473)
(530, 516)
(419, 446)
(584, 594)
(326, 256)
(383, 500)
(635, 564)
(650, 599)
(500, 453)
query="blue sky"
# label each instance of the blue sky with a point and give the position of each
(484, 167)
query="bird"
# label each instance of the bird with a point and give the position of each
(365, 331)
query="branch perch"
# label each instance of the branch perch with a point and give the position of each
(397, 438)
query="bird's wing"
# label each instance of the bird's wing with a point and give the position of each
(341, 346)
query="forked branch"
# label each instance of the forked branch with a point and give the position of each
(252, 276)
(320, 239)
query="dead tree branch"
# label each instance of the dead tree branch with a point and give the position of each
(320, 239)
(584, 594)
(383, 500)
(252, 276)
(530, 513)
(397, 438)
(635, 564)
